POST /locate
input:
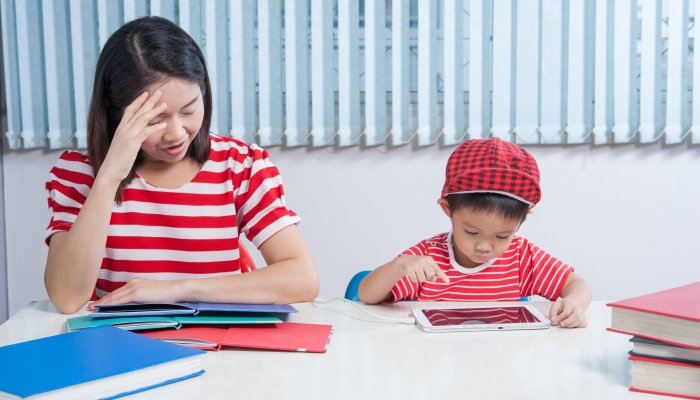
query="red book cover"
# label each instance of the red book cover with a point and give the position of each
(288, 336)
(211, 334)
(656, 360)
(681, 302)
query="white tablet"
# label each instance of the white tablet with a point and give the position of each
(480, 318)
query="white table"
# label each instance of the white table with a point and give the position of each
(368, 360)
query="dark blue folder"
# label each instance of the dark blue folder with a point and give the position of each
(56, 362)
(152, 309)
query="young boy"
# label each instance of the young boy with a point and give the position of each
(490, 188)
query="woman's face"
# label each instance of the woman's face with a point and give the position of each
(183, 117)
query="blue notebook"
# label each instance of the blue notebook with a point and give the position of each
(102, 362)
(152, 309)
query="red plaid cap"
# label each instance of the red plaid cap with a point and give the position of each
(493, 166)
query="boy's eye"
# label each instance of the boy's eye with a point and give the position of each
(471, 233)
(502, 237)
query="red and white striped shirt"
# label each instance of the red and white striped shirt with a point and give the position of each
(188, 232)
(523, 270)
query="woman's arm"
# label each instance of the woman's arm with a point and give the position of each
(75, 257)
(290, 277)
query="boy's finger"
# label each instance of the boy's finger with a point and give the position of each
(440, 273)
(570, 322)
(554, 310)
(420, 274)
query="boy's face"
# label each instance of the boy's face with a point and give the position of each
(478, 237)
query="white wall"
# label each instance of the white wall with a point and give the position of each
(625, 216)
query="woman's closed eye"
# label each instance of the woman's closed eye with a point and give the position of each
(155, 123)
(187, 113)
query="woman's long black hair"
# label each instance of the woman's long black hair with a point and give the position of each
(143, 52)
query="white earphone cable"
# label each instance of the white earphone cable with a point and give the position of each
(407, 320)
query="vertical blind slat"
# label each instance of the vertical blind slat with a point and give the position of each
(165, 8)
(375, 72)
(427, 77)
(85, 53)
(527, 72)
(552, 109)
(242, 47)
(400, 129)
(454, 87)
(603, 107)
(579, 112)
(502, 69)
(11, 72)
(322, 74)
(696, 78)
(31, 73)
(190, 19)
(625, 71)
(270, 71)
(110, 16)
(676, 87)
(216, 54)
(348, 72)
(135, 9)
(296, 69)
(650, 85)
(59, 76)
(479, 68)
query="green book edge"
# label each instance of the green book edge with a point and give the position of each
(680, 360)
(156, 322)
(636, 339)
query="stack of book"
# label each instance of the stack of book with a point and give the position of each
(209, 326)
(666, 344)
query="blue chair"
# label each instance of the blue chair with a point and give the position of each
(351, 291)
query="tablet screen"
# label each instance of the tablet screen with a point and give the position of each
(480, 316)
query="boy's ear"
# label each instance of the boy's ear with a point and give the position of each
(530, 211)
(445, 206)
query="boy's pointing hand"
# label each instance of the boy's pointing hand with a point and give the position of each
(421, 269)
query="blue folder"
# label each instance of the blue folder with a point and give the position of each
(57, 362)
(152, 309)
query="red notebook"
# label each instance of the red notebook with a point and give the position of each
(657, 316)
(288, 336)
(664, 377)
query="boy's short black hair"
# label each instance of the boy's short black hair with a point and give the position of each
(490, 203)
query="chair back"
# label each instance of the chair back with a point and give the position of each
(351, 291)
(246, 261)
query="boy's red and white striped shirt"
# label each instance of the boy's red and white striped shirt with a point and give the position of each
(523, 270)
(188, 232)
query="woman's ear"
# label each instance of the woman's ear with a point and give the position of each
(445, 206)
(530, 211)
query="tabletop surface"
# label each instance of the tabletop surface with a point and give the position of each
(368, 360)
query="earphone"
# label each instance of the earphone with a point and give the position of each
(387, 320)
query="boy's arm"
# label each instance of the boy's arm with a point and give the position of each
(376, 286)
(569, 311)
